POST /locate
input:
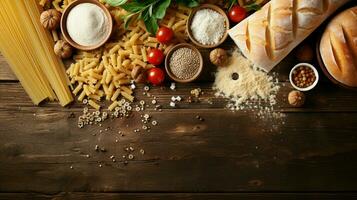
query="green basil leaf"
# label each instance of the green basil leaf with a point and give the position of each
(188, 3)
(151, 25)
(145, 14)
(133, 7)
(231, 4)
(160, 9)
(252, 7)
(127, 19)
(150, 10)
(116, 2)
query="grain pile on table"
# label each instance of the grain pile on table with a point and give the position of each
(241, 83)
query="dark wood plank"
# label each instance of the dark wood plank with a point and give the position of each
(325, 98)
(179, 196)
(5, 71)
(304, 151)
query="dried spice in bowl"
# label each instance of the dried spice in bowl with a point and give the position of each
(184, 63)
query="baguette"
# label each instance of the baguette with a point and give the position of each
(338, 47)
(270, 34)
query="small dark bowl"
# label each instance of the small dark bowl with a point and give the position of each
(64, 24)
(167, 63)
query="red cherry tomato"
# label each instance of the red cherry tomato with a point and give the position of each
(237, 14)
(156, 76)
(164, 34)
(155, 56)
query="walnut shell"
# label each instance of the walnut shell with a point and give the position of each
(296, 98)
(63, 49)
(218, 57)
(50, 19)
(138, 74)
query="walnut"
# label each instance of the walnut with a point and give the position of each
(138, 74)
(63, 49)
(296, 98)
(50, 19)
(218, 57)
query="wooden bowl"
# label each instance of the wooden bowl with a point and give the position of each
(167, 62)
(189, 21)
(68, 38)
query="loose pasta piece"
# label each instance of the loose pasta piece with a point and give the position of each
(139, 62)
(77, 89)
(127, 96)
(113, 105)
(94, 96)
(94, 104)
(115, 95)
(82, 95)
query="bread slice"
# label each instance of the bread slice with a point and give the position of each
(338, 47)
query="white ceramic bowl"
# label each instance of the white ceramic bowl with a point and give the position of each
(307, 88)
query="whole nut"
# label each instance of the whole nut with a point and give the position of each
(218, 57)
(50, 19)
(296, 98)
(138, 74)
(63, 49)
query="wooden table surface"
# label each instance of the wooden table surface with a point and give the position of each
(310, 153)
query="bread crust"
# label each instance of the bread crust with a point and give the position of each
(270, 34)
(338, 47)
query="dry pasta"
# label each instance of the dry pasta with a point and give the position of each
(29, 50)
(110, 73)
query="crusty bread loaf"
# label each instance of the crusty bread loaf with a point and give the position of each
(338, 47)
(270, 34)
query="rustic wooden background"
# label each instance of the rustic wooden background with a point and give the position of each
(310, 153)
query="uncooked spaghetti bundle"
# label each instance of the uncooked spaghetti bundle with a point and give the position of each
(28, 48)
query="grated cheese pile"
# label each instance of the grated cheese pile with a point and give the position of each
(252, 84)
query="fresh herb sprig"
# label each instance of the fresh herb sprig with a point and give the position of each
(249, 7)
(150, 11)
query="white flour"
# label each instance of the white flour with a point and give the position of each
(252, 84)
(208, 26)
(87, 24)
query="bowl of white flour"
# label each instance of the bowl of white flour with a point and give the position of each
(86, 24)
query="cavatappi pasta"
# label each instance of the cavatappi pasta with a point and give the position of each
(29, 50)
(105, 73)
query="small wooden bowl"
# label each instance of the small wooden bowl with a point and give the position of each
(189, 21)
(167, 63)
(68, 38)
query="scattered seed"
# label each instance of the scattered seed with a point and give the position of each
(130, 156)
(146, 88)
(173, 86)
(142, 151)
